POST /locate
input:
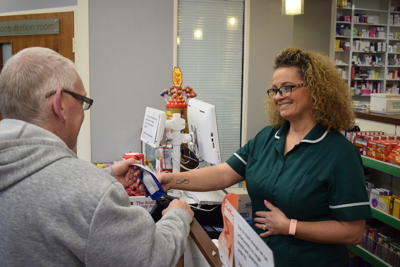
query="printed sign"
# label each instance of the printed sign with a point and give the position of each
(29, 27)
(177, 77)
(238, 242)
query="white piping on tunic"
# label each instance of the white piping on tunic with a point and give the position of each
(317, 140)
(240, 158)
(276, 135)
(306, 140)
(349, 205)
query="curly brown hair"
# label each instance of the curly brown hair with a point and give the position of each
(330, 101)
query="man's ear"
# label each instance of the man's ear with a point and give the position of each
(58, 105)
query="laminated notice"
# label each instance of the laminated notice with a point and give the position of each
(150, 182)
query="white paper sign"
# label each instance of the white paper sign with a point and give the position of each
(250, 249)
(153, 127)
(238, 242)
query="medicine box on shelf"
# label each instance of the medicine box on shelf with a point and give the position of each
(385, 103)
(244, 207)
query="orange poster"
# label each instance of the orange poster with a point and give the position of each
(239, 244)
(226, 238)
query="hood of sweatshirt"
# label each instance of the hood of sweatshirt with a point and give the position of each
(26, 148)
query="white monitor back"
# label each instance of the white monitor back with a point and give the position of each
(202, 123)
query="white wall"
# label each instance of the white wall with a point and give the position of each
(312, 31)
(366, 125)
(269, 33)
(130, 77)
(129, 60)
(131, 56)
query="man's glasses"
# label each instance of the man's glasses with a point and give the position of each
(285, 90)
(87, 102)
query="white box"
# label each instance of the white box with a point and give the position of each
(244, 207)
(145, 202)
(385, 103)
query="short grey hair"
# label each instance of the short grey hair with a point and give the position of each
(27, 77)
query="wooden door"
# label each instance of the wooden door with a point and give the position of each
(61, 42)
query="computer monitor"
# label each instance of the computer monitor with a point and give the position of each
(202, 123)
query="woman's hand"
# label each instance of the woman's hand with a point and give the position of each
(273, 222)
(165, 180)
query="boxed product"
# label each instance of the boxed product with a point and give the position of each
(244, 207)
(385, 103)
(371, 149)
(362, 139)
(384, 203)
(378, 200)
(394, 155)
(372, 145)
(396, 207)
(361, 142)
(383, 149)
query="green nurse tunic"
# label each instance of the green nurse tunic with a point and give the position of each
(320, 179)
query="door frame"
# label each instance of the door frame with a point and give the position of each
(81, 18)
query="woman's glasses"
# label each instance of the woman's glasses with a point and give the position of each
(285, 90)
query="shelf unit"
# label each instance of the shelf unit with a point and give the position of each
(371, 258)
(381, 166)
(377, 214)
(366, 47)
(390, 169)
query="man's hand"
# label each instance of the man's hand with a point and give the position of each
(179, 204)
(125, 172)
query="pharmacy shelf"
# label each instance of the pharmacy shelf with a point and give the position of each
(386, 218)
(381, 166)
(345, 23)
(389, 119)
(366, 255)
(387, 168)
(384, 167)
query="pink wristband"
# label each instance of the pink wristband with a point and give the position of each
(292, 227)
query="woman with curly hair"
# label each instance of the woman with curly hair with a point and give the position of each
(304, 178)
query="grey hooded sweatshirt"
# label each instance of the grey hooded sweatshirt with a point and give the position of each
(58, 210)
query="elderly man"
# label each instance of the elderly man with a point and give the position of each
(58, 210)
